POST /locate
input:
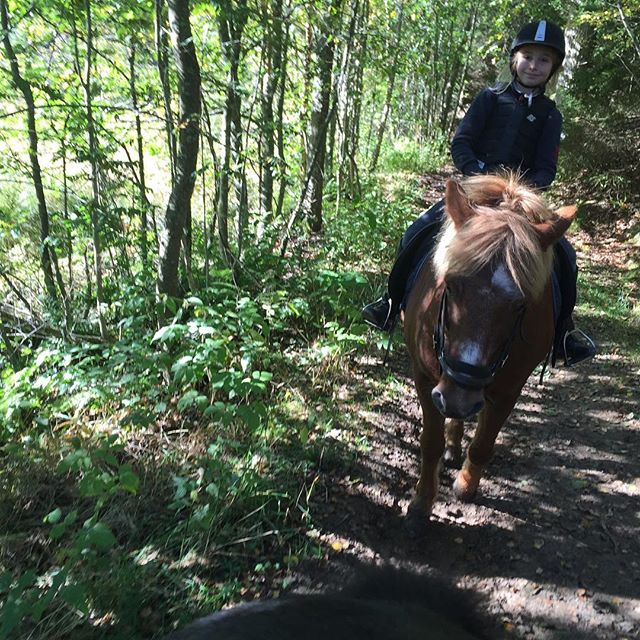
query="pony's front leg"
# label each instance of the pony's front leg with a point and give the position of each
(431, 448)
(453, 431)
(490, 421)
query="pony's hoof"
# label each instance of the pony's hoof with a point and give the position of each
(452, 458)
(465, 491)
(417, 520)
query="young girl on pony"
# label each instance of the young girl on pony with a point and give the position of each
(512, 125)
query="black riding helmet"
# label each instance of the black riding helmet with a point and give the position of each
(540, 32)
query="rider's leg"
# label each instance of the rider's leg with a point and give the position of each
(383, 312)
(576, 344)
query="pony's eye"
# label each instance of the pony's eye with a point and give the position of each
(454, 288)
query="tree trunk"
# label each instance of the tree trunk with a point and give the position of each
(162, 61)
(625, 23)
(208, 136)
(47, 255)
(96, 202)
(317, 137)
(305, 106)
(453, 109)
(272, 48)
(223, 195)
(65, 205)
(391, 81)
(231, 23)
(282, 163)
(349, 101)
(188, 141)
(143, 201)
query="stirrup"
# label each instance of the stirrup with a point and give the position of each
(569, 362)
(377, 321)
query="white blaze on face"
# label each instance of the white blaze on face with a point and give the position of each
(502, 283)
(471, 353)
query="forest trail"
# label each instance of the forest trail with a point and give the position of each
(553, 539)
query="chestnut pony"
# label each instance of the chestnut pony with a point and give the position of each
(479, 320)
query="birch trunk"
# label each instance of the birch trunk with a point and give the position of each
(179, 206)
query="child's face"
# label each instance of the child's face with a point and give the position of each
(533, 64)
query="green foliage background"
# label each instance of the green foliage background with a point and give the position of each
(172, 469)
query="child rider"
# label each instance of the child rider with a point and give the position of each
(512, 125)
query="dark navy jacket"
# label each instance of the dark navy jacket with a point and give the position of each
(501, 129)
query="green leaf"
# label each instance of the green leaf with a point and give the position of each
(213, 490)
(6, 578)
(170, 332)
(250, 417)
(94, 484)
(75, 461)
(27, 579)
(129, 480)
(181, 485)
(75, 595)
(106, 456)
(54, 516)
(187, 399)
(216, 409)
(57, 531)
(39, 607)
(42, 421)
(138, 418)
(100, 537)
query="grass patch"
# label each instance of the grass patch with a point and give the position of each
(607, 298)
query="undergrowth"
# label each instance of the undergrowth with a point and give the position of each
(174, 470)
(171, 471)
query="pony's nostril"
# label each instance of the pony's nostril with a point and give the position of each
(438, 400)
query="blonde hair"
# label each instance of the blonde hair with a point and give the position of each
(501, 230)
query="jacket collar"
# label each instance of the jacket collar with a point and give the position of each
(527, 92)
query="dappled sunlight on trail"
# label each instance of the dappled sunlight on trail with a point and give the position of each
(552, 538)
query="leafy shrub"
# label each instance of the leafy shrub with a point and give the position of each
(84, 540)
(408, 155)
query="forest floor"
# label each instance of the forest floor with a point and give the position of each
(552, 541)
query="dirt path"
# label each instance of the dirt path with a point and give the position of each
(553, 539)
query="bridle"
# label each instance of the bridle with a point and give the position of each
(462, 373)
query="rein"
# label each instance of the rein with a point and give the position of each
(467, 375)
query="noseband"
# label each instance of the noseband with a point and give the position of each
(467, 375)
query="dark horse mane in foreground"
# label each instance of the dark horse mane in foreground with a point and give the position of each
(383, 603)
(479, 320)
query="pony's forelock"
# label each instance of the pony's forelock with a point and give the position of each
(502, 230)
(507, 191)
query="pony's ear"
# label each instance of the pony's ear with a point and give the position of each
(456, 203)
(552, 230)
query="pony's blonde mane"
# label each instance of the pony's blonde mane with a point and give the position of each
(502, 230)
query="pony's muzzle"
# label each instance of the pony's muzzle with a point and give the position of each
(456, 402)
